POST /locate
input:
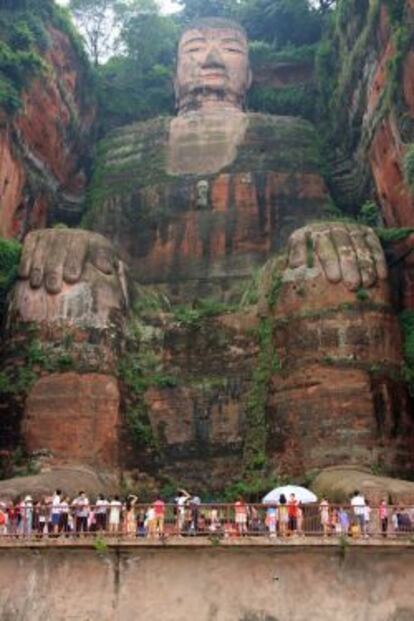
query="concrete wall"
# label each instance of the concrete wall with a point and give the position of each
(212, 584)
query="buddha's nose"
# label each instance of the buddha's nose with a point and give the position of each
(214, 59)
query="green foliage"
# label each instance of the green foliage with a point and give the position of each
(193, 9)
(407, 324)
(100, 544)
(395, 10)
(254, 452)
(369, 214)
(252, 488)
(280, 22)
(362, 295)
(194, 315)
(274, 289)
(409, 167)
(10, 251)
(393, 234)
(143, 369)
(294, 100)
(137, 84)
(23, 38)
(139, 427)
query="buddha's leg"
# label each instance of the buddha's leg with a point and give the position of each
(64, 330)
(339, 397)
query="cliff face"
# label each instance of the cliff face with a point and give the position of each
(45, 145)
(372, 108)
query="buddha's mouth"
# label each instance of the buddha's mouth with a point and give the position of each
(213, 74)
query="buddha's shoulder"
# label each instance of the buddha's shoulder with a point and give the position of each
(135, 134)
(270, 126)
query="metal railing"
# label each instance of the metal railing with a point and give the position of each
(213, 520)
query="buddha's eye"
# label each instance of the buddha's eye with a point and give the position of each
(233, 50)
(192, 50)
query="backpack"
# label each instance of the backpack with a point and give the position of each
(2, 518)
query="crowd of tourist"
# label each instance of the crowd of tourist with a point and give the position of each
(58, 515)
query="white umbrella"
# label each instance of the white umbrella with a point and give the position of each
(302, 494)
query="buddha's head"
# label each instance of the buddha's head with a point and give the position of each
(213, 66)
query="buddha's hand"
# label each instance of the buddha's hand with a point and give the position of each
(350, 253)
(69, 275)
(52, 257)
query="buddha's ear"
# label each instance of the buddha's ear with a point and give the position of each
(249, 78)
(175, 85)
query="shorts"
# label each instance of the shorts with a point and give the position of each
(241, 518)
(55, 519)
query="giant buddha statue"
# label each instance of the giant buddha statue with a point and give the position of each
(192, 205)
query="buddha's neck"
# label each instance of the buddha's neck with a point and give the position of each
(208, 104)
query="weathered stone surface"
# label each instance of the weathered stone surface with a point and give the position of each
(339, 396)
(42, 159)
(69, 277)
(181, 228)
(70, 479)
(199, 424)
(273, 584)
(339, 483)
(75, 417)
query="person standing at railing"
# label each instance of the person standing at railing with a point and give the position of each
(55, 512)
(293, 513)
(3, 520)
(271, 520)
(358, 506)
(27, 516)
(194, 511)
(383, 517)
(64, 515)
(181, 503)
(81, 506)
(344, 521)
(159, 511)
(283, 515)
(115, 507)
(240, 511)
(324, 513)
(101, 512)
(130, 522)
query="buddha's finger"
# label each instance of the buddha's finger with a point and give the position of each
(29, 246)
(75, 257)
(377, 253)
(39, 259)
(347, 257)
(56, 256)
(328, 257)
(101, 254)
(365, 261)
(297, 249)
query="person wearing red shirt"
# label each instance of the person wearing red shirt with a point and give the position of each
(293, 513)
(159, 510)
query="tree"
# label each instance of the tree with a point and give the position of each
(281, 22)
(137, 83)
(193, 9)
(96, 22)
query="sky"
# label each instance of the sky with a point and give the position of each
(167, 6)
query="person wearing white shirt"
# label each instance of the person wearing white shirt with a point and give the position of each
(115, 507)
(56, 510)
(359, 508)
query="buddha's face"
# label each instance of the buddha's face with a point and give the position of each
(213, 66)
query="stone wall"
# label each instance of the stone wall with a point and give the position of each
(273, 584)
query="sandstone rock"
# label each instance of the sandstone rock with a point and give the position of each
(339, 483)
(75, 417)
(42, 176)
(70, 479)
(262, 183)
